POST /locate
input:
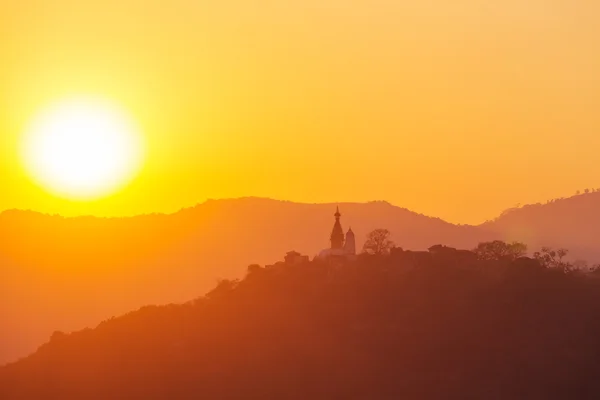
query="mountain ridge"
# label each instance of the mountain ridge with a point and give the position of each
(163, 258)
(209, 201)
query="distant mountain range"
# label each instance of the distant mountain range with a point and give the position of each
(112, 265)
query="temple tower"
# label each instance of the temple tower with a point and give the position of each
(350, 245)
(337, 235)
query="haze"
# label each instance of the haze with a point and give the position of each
(486, 103)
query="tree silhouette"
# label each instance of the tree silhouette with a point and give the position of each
(57, 335)
(253, 269)
(550, 258)
(378, 242)
(499, 250)
(373, 328)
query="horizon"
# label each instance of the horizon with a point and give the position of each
(427, 105)
(332, 203)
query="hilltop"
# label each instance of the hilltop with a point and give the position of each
(380, 328)
(112, 265)
(571, 222)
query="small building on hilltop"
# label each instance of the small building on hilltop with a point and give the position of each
(341, 250)
(452, 254)
(294, 258)
(291, 258)
(343, 247)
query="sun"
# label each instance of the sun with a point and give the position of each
(82, 149)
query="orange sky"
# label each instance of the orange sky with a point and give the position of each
(453, 109)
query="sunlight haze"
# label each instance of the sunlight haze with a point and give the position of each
(457, 110)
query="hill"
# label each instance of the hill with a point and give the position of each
(68, 273)
(112, 265)
(381, 328)
(573, 223)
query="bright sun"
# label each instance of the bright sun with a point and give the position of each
(82, 149)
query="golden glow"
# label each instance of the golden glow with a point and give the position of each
(463, 108)
(82, 149)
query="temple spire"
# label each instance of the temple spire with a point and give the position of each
(350, 244)
(337, 235)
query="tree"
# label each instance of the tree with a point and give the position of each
(581, 265)
(253, 269)
(499, 250)
(57, 335)
(378, 242)
(224, 287)
(550, 258)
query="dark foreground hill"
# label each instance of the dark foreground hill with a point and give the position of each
(382, 328)
(69, 273)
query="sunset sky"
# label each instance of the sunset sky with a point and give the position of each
(455, 109)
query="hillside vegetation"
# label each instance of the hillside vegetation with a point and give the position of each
(441, 324)
(113, 265)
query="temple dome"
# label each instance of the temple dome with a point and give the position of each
(331, 253)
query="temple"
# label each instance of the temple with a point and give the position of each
(342, 247)
(337, 234)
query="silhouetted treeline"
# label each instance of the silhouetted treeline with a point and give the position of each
(442, 324)
(47, 261)
(113, 265)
